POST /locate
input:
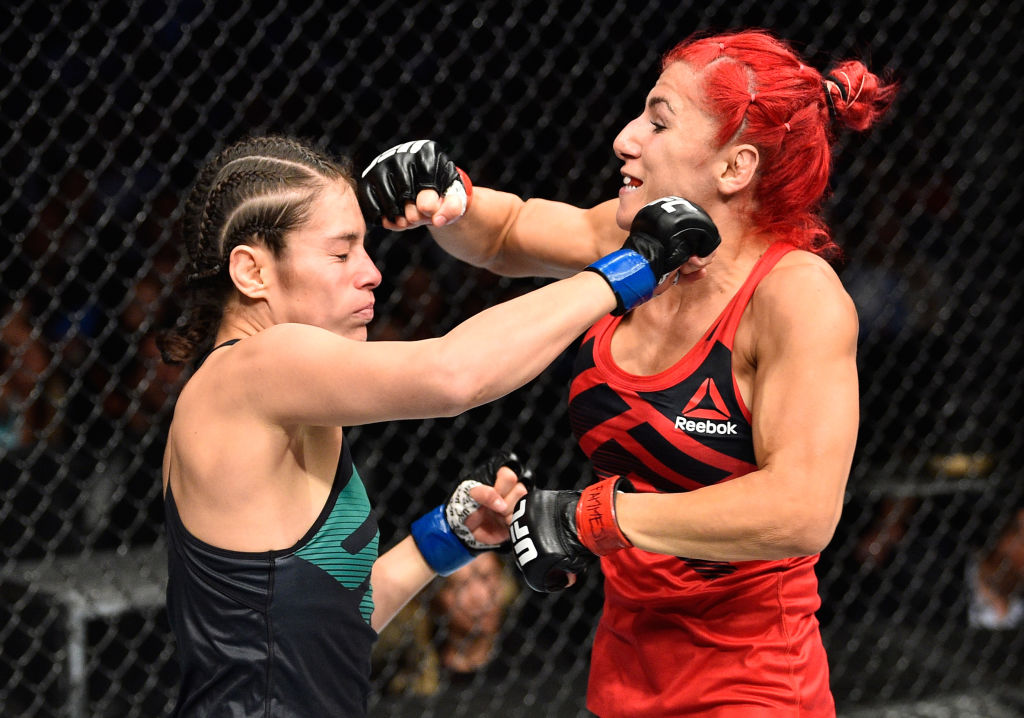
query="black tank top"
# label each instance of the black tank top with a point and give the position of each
(279, 633)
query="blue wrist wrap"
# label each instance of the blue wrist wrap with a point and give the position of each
(630, 277)
(441, 548)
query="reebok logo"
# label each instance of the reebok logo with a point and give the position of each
(706, 413)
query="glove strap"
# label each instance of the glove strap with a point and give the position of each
(630, 277)
(461, 188)
(439, 545)
(466, 184)
(596, 525)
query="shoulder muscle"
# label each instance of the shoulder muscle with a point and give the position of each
(801, 302)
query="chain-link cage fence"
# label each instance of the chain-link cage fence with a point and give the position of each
(108, 107)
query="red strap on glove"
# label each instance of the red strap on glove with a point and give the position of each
(596, 524)
(467, 184)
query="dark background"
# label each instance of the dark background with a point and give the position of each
(108, 108)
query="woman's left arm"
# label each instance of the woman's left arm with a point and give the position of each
(805, 408)
(402, 572)
(398, 575)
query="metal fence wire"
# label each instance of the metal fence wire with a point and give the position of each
(108, 107)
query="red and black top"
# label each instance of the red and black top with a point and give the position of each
(678, 634)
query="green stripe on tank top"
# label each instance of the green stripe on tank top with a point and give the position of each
(325, 548)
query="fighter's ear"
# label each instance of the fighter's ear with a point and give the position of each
(739, 168)
(248, 265)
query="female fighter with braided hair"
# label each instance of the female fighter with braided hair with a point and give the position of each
(275, 588)
(721, 417)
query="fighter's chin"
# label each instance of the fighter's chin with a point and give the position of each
(356, 334)
(626, 211)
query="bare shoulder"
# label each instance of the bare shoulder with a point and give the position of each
(289, 338)
(803, 293)
(803, 280)
(275, 355)
(288, 349)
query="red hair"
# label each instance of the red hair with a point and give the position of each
(761, 93)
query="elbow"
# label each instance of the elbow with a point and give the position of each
(795, 531)
(810, 533)
(453, 378)
(811, 542)
(452, 401)
(803, 522)
(458, 389)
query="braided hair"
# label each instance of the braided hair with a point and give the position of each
(257, 190)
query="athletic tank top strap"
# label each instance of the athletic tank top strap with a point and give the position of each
(722, 331)
(283, 632)
(724, 328)
(205, 356)
(343, 477)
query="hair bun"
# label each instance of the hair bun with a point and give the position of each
(855, 96)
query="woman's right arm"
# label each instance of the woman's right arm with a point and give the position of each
(299, 374)
(416, 183)
(515, 238)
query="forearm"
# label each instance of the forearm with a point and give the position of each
(534, 238)
(415, 183)
(752, 517)
(477, 238)
(505, 346)
(331, 381)
(397, 576)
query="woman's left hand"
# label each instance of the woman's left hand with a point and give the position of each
(489, 523)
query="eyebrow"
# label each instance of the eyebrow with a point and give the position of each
(346, 237)
(656, 100)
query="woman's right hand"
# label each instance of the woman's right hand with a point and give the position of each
(413, 184)
(430, 208)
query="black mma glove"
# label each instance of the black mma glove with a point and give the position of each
(441, 534)
(663, 235)
(558, 533)
(397, 175)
